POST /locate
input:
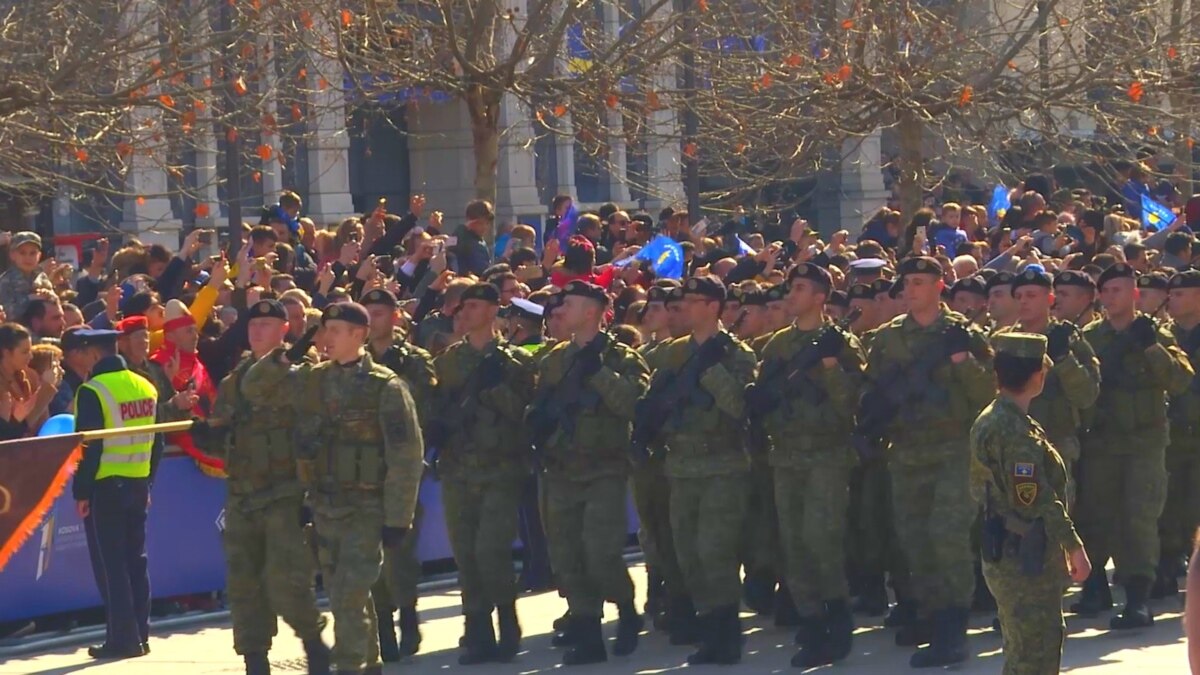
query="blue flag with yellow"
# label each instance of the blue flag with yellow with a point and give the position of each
(664, 254)
(999, 205)
(1155, 216)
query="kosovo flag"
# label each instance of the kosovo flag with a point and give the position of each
(1155, 216)
(664, 254)
(999, 205)
(33, 472)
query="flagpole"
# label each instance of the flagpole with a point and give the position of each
(164, 428)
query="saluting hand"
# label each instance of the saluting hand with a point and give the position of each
(1079, 566)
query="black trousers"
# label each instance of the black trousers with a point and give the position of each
(116, 529)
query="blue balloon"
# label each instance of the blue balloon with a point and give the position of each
(63, 423)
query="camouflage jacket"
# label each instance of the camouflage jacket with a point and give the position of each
(596, 442)
(16, 287)
(1072, 386)
(415, 366)
(1015, 468)
(1185, 406)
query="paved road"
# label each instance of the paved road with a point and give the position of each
(1091, 648)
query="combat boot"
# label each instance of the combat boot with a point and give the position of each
(388, 649)
(902, 614)
(917, 631)
(1136, 613)
(410, 631)
(317, 655)
(510, 632)
(872, 599)
(561, 623)
(589, 642)
(1096, 596)
(813, 638)
(564, 631)
(949, 644)
(758, 592)
(720, 638)
(479, 645)
(257, 663)
(684, 627)
(786, 614)
(629, 625)
(1166, 579)
(840, 623)
(656, 593)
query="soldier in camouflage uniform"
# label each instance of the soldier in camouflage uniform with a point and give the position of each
(1030, 543)
(483, 387)
(941, 364)
(1074, 297)
(707, 466)
(269, 565)
(1181, 515)
(359, 455)
(1124, 482)
(1001, 307)
(809, 383)
(586, 469)
(397, 585)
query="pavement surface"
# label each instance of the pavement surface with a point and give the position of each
(1091, 648)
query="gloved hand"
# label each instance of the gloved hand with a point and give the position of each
(296, 352)
(392, 536)
(589, 362)
(830, 344)
(958, 340)
(200, 428)
(758, 398)
(491, 372)
(711, 352)
(1058, 342)
(1143, 332)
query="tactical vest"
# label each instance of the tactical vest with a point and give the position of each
(350, 454)
(1130, 403)
(128, 401)
(263, 452)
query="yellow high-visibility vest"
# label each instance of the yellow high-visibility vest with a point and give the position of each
(129, 401)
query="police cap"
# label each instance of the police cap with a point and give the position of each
(78, 338)
(524, 309)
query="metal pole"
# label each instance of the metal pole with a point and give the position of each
(691, 123)
(233, 140)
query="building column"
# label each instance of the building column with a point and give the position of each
(516, 180)
(272, 169)
(146, 211)
(328, 157)
(618, 183)
(664, 165)
(204, 141)
(564, 155)
(851, 188)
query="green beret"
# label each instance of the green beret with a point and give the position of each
(921, 264)
(861, 292)
(1032, 277)
(1155, 280)
(587, 290)
(1074, 278)
(1117, 271)
(1186, 279)
(268, 309)
(971, 284)
(482, 291)
(350, 312)
(380, 296)
(708, 287)
(1021, 345)
(814, 273)
(1000, 279)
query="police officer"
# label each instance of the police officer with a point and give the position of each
(269, 564)
(586, 462)
(397, 585)
(1181, 514)
(808, 386)
(359, 453)
(112, 489)
(1030, 543)
(1124, 483)
(707, 466)
(483, 387)
(949, 360)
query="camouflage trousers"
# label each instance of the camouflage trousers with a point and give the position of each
(652, 499)
(349, 547)
(761, 552)
(1030, 612)
(933, 512)
(871, 543)
(481, 523)
(1181, 512)
(270, 573)
(1120, 500)
(812, 523)
(707, 516)
(397, 584)
(586, 526)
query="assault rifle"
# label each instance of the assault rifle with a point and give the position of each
(465, 402)
(791, 376)
(670, 391)
(556, 407)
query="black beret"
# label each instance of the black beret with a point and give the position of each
(881, 286)
(587, 290)
(775, 293)
(482, 291)
(896, 289)
(814, 273)
(675, 294)
(972, 284)
(1186, 279)
(268, 309)
(919, 265)
(350, 312)
(657, 294)
(709, 287)
(1116, 271)
(861, 292)
(1000, 279)
(754, 299)
(735, 294)
(986, 273)
(1032, 277)
(839, 299)
(1155, 280)
(552, 303)
(380, 296)
(1074, 278)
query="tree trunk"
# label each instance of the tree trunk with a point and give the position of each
(483, 106)
(911, 163)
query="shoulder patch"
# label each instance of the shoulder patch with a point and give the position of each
(1023, 470)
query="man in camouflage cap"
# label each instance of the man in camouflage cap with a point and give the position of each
(24, 277)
